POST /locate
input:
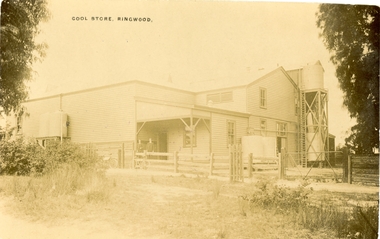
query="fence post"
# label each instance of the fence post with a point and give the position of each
(119, 164)
(122, 156)
(231, 162)
(349, 169)
(211, 163)
(241, 170)
(250, 161)
(175, 158)
(145, 154)
(282, 164)
(133, 159)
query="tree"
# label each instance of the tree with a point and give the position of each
(351, 34)
(19, 26)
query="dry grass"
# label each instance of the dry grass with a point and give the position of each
(59, 194)
(164, 207)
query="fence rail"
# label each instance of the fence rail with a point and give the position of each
(226, 165)
(232, 165)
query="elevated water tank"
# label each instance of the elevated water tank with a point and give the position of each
(312, 77)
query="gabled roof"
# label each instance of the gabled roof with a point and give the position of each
(242, 79)
(279, 69)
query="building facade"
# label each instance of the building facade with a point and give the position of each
(174, 118)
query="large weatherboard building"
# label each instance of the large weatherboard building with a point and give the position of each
(288, 106)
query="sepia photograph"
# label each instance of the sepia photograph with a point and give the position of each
(189, 119)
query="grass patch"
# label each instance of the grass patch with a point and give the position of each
(60, 192)
(346, 221)
(146, 206)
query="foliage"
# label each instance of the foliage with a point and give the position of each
(23, 157)
(57, 154)
(19, 27)
(279, 198)
(20, 157)
(351, 34)
(6, 131)
(348, 222)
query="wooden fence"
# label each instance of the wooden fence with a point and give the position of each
(203, 164)
(363, 169)
(232, 165)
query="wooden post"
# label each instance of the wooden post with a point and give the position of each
(345, 164)
(211, 163)
(119, 158)
(133, 159)
(233, 152)
(122, 156)
(175, 158)
(145, 154)
(240, 155)
(349, 169)
(282, 164)
(250, 160)
(231, 161)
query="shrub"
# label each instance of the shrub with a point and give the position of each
(20, 157)
(58, 154)
(357, 222)
(279, 198)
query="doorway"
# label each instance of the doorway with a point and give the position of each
(281, 143)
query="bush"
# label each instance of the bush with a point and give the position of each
(357, 222)
(57, 154)
(20, 157)
(281, 199)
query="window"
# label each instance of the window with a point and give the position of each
(215, 98)
(226, 96)
(220, 97)
(263, 127)
(281, 129)
(187, 138)
(231, 132)
(263, 98)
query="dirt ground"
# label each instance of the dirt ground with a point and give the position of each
(147, 204)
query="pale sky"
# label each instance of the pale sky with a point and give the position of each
(183, 42)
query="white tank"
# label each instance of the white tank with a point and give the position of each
(44, 125)
(57, 122)
(312, 77)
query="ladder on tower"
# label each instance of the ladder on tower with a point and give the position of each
(302, 130)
